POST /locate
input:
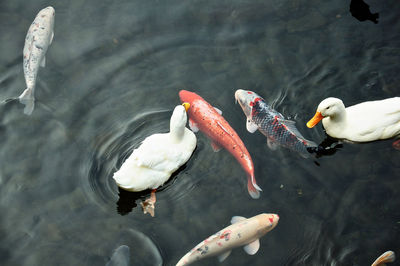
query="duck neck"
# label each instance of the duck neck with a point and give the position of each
(176, 133)
(335, 123)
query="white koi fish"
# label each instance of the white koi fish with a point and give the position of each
(38, 39)
(242, 232)
(388, 256)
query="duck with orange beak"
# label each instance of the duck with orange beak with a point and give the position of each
(153, 162)
(363, 122)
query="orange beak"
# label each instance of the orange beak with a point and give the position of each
(186, 105)
(315, 120)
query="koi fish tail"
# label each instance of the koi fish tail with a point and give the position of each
(252, 187)
(311, 147)
(311, 144)
(27, 99)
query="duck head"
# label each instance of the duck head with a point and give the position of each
(178, 121)
(330, 107)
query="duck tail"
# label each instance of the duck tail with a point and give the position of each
(27, 99)
(252, 187)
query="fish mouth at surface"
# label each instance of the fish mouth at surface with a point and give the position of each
(244, 102)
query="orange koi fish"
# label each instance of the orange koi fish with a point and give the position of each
(207, 119)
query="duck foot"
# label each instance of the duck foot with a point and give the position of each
(396, 144)
(148, 204)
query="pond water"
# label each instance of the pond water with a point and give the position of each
(112, 77)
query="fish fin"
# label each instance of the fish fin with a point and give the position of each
(253, 188)
(120, 256)
(310, 143)
(27, 99)
(236, 219)
(38, 46)
(218, 111)
(193, 126)
(290, 125)
(273, 145)
(396, 144)
(216, 147)
(251, 126)
(252, 247)
(388, 256)
(51, 38)
(43, 62)
(223, 256)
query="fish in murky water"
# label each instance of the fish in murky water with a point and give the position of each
(120, 257)
(209, 120)
(278, 130)
(39, 37)
(388, 256)
(242, 232)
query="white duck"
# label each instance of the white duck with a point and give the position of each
(367, 121)
(159, 155)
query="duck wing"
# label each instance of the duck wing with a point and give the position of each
(376, 119)
(157, 153)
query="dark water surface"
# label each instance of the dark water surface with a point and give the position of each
(112, 78)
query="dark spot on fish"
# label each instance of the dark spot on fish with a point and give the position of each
(239, 235)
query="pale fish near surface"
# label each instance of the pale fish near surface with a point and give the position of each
(120, 257)
(242, 232)
(37, 41)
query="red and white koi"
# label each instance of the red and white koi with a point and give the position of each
(37, 41)
(208, 119)
(278, 130)
(242, 232)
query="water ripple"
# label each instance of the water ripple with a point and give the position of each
(112, 146)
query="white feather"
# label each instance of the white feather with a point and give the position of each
(152, 164)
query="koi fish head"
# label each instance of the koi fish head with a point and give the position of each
(47, 12)
(188, 96)
(46, 16)
(246, 100)
(267, 222)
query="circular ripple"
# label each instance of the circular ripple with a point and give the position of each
(111, 147)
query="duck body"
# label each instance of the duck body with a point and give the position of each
(152, 163)
(363, 122)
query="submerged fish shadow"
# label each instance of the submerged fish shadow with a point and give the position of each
(360, 10)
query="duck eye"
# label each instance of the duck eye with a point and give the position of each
(328, 107)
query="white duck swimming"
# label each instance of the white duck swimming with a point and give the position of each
(159, 155)
(362, 122)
